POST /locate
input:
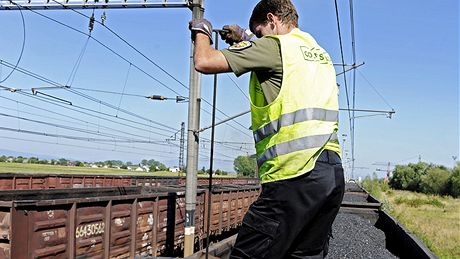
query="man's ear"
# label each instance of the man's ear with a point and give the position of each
(270, 18)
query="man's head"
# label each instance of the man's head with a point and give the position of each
(268, 14)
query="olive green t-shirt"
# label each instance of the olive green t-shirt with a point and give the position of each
(264, 58)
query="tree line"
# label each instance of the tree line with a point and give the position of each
(427, 178)
(152, 164)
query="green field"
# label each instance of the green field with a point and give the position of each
(57, 169)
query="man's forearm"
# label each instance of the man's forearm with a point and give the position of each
(208, 60)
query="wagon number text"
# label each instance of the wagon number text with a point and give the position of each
(89, 230)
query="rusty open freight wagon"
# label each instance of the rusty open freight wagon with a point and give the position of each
(121, 222)
(29, 181)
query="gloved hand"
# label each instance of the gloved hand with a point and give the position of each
(232, 34)
(200, 25)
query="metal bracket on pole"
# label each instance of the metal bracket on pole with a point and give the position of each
(223, 121)
(354, 66)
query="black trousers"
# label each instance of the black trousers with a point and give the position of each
(293, 218)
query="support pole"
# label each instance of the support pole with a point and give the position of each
(192, 142)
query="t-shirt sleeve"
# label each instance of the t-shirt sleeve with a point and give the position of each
(263, 55)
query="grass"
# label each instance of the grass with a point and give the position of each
(57, 169)
(433, 219)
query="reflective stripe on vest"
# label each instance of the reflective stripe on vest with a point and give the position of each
(288, 119)
(295, 145)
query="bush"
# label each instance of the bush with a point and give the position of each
(454, 182)
(245, 166)
(375, 186)
(435, 181)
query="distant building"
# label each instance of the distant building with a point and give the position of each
(174, 169)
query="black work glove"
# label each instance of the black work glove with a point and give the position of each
(232, 34)
(200, 25)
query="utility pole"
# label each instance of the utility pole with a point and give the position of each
(181, 147)
(192, 142)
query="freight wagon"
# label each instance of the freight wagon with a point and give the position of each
(26, 181)
(120, 222)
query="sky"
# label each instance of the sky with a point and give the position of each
(410, 51)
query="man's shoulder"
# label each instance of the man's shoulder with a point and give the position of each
(264, 43)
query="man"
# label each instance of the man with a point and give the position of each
(294, 108)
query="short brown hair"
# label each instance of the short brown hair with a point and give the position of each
(283, 9)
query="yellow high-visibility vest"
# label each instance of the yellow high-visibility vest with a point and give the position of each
(292, 131)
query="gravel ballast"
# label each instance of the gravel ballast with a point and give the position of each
(356, 237)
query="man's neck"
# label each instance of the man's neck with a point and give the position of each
(285, 29)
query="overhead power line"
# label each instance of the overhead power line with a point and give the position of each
(95, 148)
(114, 138)
(123, 58)
(22, 47)
(375, 90)
(106, 47)
(353, 50)
(343, 63)
(57, 85)
(105, 140)
(129, 44)
(117, 108)
(65, 116)
(126, 60)
(142, 54)
(237, 86)
(85, 113)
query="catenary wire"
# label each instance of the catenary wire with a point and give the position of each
(22, 47)
(343, 63)
(237, 86)
(66, 116)
(92, 115)
(353, 50)
(57, 85)
(130, 45)
(80, 130)
(96, 112)
(150, 60)
(119, 109)
(375, 90)
(73, 73)
(124, 87)
(91, 148)
(108, 92)
(111, 50)
(105, 46)
(46, 134)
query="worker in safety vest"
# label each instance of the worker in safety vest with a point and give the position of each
(294, 108)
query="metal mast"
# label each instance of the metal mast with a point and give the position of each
(192, 142)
